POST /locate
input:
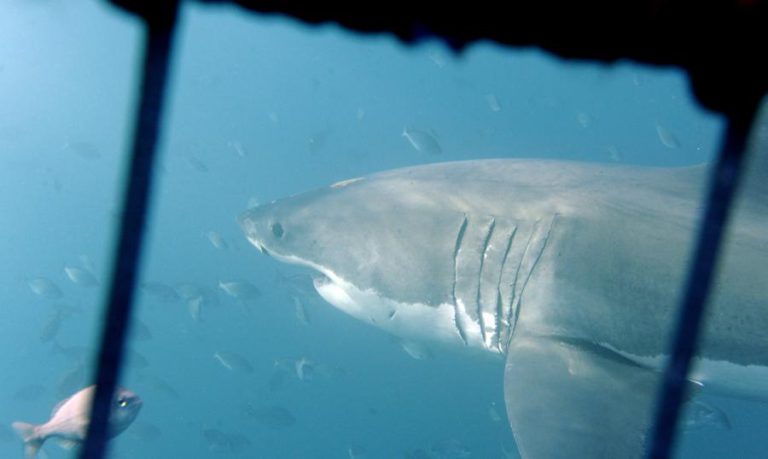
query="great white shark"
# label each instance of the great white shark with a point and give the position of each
(573, 271)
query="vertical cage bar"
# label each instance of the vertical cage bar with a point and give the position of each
(723, 184)
(160, 21)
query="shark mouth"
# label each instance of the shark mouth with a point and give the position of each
(467, 319)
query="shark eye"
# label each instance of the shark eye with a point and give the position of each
(122, 402)
(277, 230)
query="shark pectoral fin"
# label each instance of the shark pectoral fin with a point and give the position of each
(569, 399)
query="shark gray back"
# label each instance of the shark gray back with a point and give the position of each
(574, 270)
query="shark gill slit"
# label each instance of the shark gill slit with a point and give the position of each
(456, 315)
(483, 254)
(531, 256)
(499, 303)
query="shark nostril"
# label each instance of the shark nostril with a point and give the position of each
(277, 230)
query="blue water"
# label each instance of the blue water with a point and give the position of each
(260, 108)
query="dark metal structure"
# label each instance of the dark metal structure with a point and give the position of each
(719, 43)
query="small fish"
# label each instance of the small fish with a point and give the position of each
(52, 326)
(233, 362)
(164, 387)
(238, 443)
(493, 103)
(242, 290)
(87, 263)
(304, 369)
(216, 240)
(136, 360)
(450, 448)
(146, 432)
(318, 140)
(613, 153)
(78, 353)
(272, 416)
(195, 308)
(493, 413)
(196, 164)
(45, 288)
(422, 141)
(217, 440)
(69, 421)
(140, 331)
(72, 379)
(188, 291)
(360, 114)
(343, 183)
(699, 415)
(299, 283)
(160, 291)
(196, 298)
(584, 119)
(666, 137)
(84, 150)
(301, 311)
(438, 57)
(356, 452)
(418, 454)
(417, 351)
(238, 147)
(80, 276)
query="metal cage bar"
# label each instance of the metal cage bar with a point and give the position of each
(158, 41)
(723, 185)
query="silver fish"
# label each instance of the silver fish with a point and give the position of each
(85, 150)
(237, 147)
(72, 379)
(51, 327)
(195, 308)
(146, 432)
(272, 416)
(301, 310)
(80, 276)
(666, 137)
(160, 291)
(140, 331)
(356, 452)
(304, 369)
(699, 415)
(70, 418)
(584, 119)
(45, 288)
(493, 102)
(196, 164)
(87, 263)
(216, 240)
(422, 141)
(216, 440)
(233, 362)
(493, 413)
(416, 350)
(164, 387)
(242, 290)
(135, 360)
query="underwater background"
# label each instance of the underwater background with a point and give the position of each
(259, 108)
